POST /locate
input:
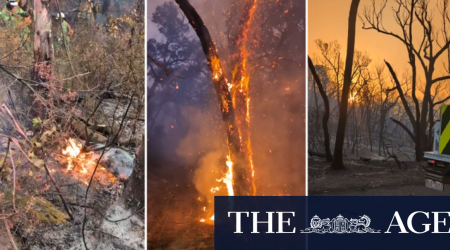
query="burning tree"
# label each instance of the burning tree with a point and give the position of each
(233, 98)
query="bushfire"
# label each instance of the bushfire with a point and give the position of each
(239, 90)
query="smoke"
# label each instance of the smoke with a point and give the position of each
(277, 106)
(203, 146)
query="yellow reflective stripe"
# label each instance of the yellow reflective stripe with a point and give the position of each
(445, 133)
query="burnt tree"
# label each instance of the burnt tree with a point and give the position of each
(242, 181)
(326, 114)
(340, 133)
(43, 47)
(136, 185)
(432, 44)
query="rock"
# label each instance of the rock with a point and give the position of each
(111, 114)
(117, 161)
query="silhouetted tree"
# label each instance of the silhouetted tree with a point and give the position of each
(340, 133)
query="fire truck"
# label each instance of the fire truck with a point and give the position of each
(437, 173)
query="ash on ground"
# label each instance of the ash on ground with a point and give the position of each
(42, 222)
(368, 174)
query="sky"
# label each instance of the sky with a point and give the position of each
(328, 21)
(152, 30)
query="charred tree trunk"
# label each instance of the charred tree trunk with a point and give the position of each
(381, 129)
(242, 178)
(426, 55)
(43, 47)
(340, 133)
(240, 92)
(326, 114)
(136, 185)
(414, 120)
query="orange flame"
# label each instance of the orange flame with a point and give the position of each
(228, 178)
(72, 151)
(243, 90)
(76, 157)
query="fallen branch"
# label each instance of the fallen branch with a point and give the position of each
(66, 207)
(11, 238)
(16, 124)
(14, 177)
(95, 170)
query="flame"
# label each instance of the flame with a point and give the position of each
(239, 89)
(76, 158)
(243, 93)
(228, 178)
(72, 151)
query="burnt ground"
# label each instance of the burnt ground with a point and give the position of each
(41, 222)
(174, 211)
(373, 178)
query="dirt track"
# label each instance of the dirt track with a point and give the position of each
(373, 178)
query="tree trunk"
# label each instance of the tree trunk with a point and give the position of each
(381, 130)
(136, 184)
(243, 177)
(326, 114)
(43, 48)
(340, 133)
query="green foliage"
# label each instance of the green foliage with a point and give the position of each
(37, 123)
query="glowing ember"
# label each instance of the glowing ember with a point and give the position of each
(202, 220)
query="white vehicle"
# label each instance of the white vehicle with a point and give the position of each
(438, 170)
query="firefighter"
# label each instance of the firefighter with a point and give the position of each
(13, 16)
(67, 31)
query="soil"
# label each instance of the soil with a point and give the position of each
(41, 222)
(372, 178)
(174, 211)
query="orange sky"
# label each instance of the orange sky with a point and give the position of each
(328, 20)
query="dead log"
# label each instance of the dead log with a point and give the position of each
(242, 176)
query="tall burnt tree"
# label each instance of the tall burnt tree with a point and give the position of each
(340, 133)
(242, 180)
(326, 114)
(431, 46)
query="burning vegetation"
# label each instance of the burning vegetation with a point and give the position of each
(68, 178)
(253, 144)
